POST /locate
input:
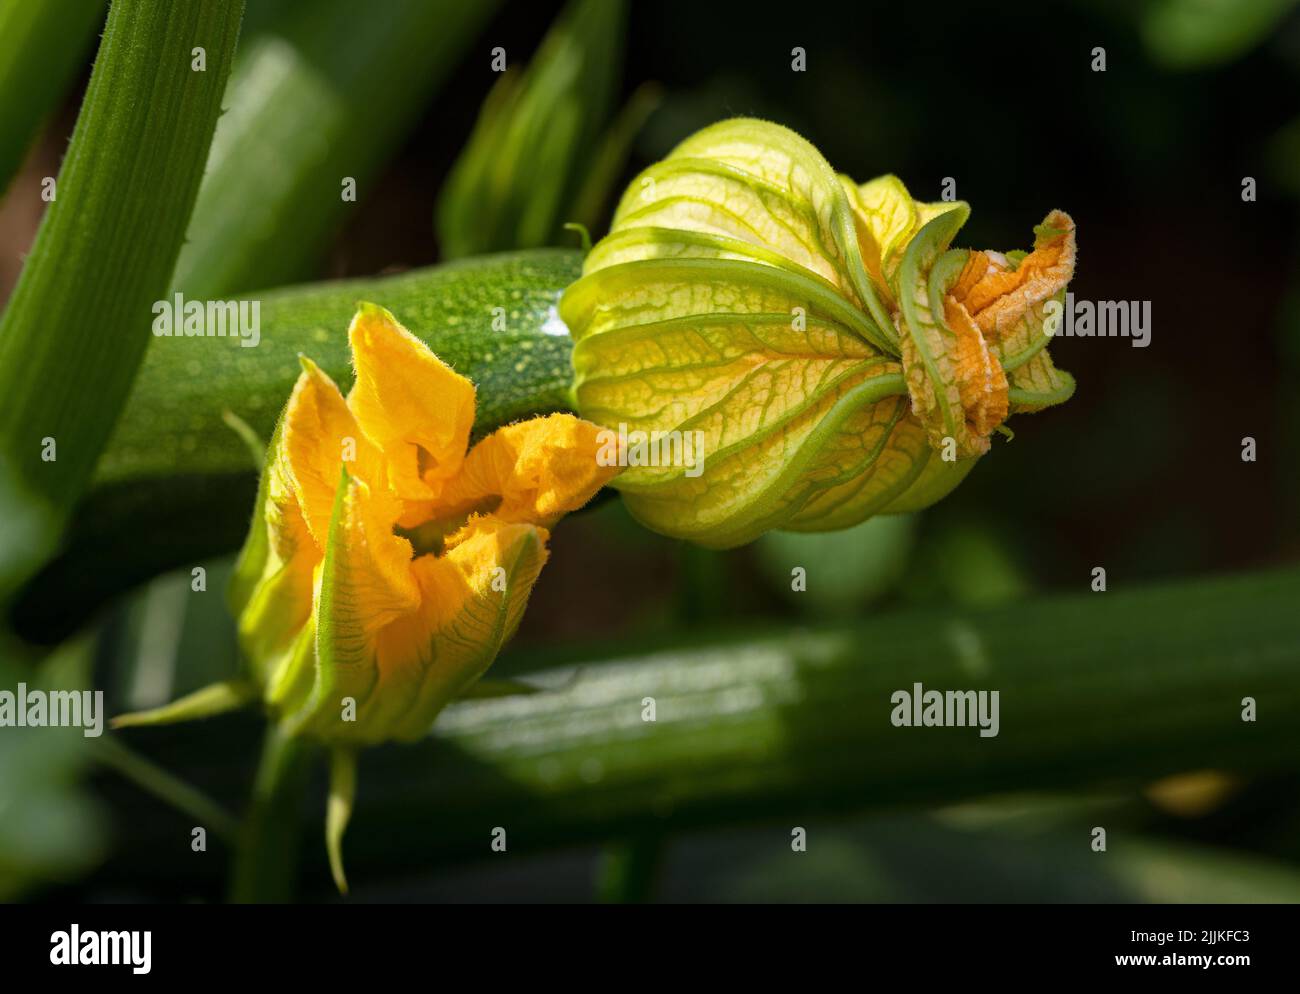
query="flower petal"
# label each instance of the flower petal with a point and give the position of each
(365, 583)
(271, 589)
(472, 598)
(958, 388)
(318, 436)
(748, 362)
(997, 295)
(753, 189)
(410, 404)
(535, 471)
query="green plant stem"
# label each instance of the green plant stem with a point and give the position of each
(41, 49)
(162, 785)
(76, 327)
(266, 861)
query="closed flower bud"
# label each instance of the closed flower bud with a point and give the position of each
(831, 355)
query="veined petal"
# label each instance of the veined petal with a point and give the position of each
(888, 218)
(535, 471)
(271, 590)
(744, 490)
(958, 388)
(1039, 384)
(749, 364)
(364, 583)
(472, 598)
(871, 461)
(758, 188)
(318, 436)
(411, 405)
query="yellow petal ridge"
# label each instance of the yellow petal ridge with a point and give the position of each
(410, 404)
(318, 435)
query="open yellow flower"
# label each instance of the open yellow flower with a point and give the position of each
(388, 561)
(393, 561)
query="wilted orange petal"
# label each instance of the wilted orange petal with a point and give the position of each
(996, 296)
(980, 379)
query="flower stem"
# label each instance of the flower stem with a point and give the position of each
(156, 781)
(266, 860)
(72, 335)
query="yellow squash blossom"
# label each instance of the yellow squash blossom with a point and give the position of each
(835, 357)
(388, 560)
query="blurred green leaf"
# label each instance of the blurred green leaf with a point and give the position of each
(532, 163)
(909, 858)
(606, 166)
(29, 529)
(323, 91)
(50, 831)
(42, 46)
(173, 640)
(1281, 154)
(1194, 34)
(965, 561)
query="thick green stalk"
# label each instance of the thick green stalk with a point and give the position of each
(1096, 690)
(174, 462)
(41, 48)
(77, 324)
(1112, 688)
(266, 861)
(323, 92)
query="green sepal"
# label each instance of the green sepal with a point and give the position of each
(217, 698)
(338, 811)
(922, 322)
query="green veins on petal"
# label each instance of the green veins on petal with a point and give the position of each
(796, 322)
